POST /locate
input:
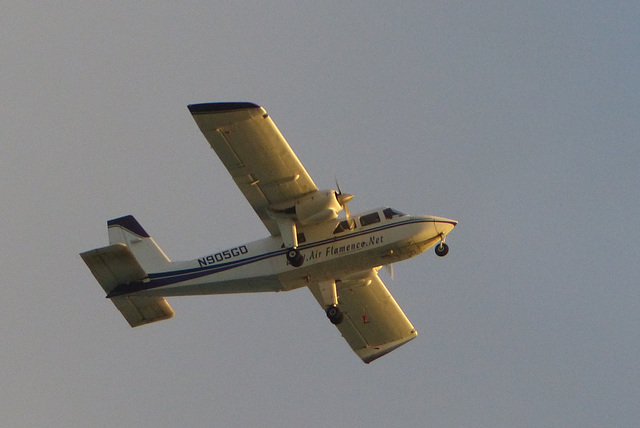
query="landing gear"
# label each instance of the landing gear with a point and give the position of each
(294, 257)
(442, 249)
(289, 232)
(334, 314)
(329, 299)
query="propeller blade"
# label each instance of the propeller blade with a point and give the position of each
(389, 268)
(343, 199)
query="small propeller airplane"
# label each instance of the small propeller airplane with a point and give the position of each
(309, 245)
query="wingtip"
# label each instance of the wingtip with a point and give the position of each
(219, 107)
(369, 354)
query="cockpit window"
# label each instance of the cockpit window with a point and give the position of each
(389, 213)
(344, 226)
(368, 219)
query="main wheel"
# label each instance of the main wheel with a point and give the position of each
(294, 257)
(334, 314)
(442, 249)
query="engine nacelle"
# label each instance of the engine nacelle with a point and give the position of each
(314, 208)
(317, 207)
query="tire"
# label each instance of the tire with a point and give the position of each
(294, 257)
(334, 314)
(442, 249)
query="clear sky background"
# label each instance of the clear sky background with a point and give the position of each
(521, 120)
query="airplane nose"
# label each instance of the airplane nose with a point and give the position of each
(443, 225)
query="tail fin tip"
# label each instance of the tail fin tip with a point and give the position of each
(126, 230)
(129, 223)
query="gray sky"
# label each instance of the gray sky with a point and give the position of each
(520, 120)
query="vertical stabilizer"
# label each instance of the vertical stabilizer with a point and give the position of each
(126, 230)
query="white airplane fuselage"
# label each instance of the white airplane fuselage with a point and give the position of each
(309, 246)
(261, 266)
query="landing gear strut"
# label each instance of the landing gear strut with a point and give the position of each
(334, 314)
(294, 257)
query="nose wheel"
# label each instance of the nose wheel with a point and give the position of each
(442, 249)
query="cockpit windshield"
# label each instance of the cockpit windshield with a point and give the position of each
(389, 213)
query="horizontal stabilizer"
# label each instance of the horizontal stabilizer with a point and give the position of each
(116, 265)
(113, 265)
(140, 310)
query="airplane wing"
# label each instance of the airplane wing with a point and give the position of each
(373, 323)
(256, 155)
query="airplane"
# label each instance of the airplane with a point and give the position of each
(310, 244)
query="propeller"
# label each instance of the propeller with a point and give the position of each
(343, 199)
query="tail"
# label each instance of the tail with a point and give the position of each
(126, 230)
(131, 255)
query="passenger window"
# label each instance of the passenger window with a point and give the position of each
(368, 219)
